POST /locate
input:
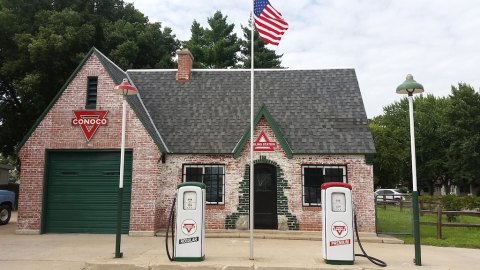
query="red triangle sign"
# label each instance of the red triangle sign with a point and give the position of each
(262, 143)
(89, 121)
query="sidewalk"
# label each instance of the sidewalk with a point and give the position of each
(96, 252)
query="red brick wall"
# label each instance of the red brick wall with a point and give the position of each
(56, 132)
(359, 174)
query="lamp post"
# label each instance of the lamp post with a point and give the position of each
(410, 87)
(124, 89)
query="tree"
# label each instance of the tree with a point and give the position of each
(43, 41)
(432, 142)
(216, 46)
(391, 137)
(264, 57)
(391, 134)
(197, 45)
(463, 118)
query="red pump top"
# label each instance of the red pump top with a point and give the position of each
(336, 184)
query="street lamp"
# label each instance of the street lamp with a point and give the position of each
(124, 89)
(410, 87)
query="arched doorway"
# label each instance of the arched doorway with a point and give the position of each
(265, 197)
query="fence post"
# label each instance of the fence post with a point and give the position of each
(439, 221)
(401, 205)
(384, 202)
(421, 208)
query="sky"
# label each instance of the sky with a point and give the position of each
(438, 42)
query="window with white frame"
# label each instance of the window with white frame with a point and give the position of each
(213, 176)
(313, 176)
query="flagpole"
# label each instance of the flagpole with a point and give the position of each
(251, 132)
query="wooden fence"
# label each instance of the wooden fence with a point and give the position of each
(439, 223)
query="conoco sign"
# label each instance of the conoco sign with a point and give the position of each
(89, 121)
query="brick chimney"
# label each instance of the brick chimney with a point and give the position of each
(185, 61)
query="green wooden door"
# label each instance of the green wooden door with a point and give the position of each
(81, 192)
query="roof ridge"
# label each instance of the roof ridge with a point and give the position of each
(239, 69)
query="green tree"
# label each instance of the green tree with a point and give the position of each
(43, 41)
(391, 134)
(432, 142)
(391, 137)
(463, 118)
(264, 57)
(197, 45)
(215, 46)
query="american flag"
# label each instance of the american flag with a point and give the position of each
(269, 22)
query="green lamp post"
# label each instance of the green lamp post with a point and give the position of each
(410, 87)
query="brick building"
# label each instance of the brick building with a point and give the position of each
(193, 125)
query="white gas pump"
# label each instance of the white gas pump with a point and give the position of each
(189, 233)
(337, 222)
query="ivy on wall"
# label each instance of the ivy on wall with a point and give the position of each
(244, 197)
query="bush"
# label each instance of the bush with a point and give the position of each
(428, 202)
(450, 203)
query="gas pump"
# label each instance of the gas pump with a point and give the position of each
(337, 222)
(338, 219)
(188, 228)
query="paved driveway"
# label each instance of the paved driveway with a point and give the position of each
(94, 252)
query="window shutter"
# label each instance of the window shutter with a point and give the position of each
(92, 93)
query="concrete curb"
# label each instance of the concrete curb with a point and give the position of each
(365, 237)
(174, 266)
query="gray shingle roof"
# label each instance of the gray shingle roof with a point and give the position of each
(317, 111)
(135, 101)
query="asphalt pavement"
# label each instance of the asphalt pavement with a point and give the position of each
(224, 250)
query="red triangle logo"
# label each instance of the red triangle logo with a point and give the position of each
(339, 229)
(262, 143)
(189, 227)
(89, 121)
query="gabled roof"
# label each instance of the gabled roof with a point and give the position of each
(316, 111)
(263, 112)
(117, 75)
(135, 101)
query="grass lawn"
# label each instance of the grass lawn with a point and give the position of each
(391, 221)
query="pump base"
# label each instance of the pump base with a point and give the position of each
(339, 262)
(189, 259)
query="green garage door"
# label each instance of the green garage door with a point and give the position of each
(82, 189)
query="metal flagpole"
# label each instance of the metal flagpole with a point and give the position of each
(251, 132)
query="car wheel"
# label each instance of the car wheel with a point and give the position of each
(5, 214)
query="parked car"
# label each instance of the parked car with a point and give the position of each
(389, 195)
(7, 201)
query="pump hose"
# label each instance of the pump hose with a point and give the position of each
(170, 224)
(370, 258)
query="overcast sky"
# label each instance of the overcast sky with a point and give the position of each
(383, 40)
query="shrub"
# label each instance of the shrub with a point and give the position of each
(450, 203)
(428, 202)
(472, 203)
(453, 202)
